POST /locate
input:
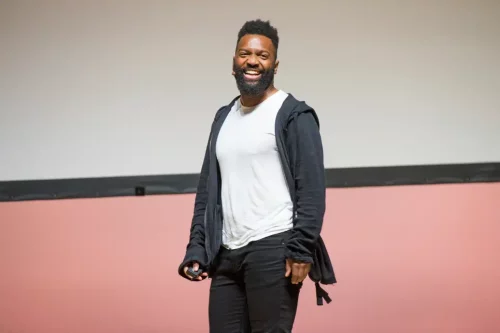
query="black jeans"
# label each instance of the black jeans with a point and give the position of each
(249, 291)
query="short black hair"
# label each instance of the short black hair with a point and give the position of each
(260, 27)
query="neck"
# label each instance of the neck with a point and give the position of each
(252, 100)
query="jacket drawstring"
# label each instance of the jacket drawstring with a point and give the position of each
(321, 294)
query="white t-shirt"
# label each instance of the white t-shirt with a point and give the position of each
(256, 202)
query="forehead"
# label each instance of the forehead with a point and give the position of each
(256, 42)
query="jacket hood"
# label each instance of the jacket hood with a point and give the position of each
(297, 107)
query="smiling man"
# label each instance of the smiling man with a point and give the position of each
(261, 199)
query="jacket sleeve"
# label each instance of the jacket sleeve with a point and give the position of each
(306, 157)
(196, 247)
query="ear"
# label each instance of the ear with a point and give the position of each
(233, 73)
(276, 65)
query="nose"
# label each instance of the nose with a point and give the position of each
(252, 60)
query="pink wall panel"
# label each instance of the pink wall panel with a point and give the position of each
(408, 259)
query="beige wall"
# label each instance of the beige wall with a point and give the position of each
(133, 85)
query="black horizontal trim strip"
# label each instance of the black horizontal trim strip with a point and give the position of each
(23, 190)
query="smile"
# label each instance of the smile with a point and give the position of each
(252, 75)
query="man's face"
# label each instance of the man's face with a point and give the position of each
(254, 64)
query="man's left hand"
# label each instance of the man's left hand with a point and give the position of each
(298, 270)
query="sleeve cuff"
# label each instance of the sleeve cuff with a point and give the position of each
(299, 257)
(192, 255)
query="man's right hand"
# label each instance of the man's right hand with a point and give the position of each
(196, 267)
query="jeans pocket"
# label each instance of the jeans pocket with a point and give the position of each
(285, 237)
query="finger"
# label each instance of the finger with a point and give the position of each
(186, 274)
(288, 269)
(295, 273)
(302, 274)
(196, 266)
(202, 276)
(306, 270)
(298, 274)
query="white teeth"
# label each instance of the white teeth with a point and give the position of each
(252, 72)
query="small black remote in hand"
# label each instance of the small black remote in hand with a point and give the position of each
(192, 273)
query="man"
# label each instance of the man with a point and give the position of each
(261, 199)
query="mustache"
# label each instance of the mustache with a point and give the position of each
(248, 68)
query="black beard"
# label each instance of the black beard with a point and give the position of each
(255, 88)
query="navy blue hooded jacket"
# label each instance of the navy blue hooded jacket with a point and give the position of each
(301, 153)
